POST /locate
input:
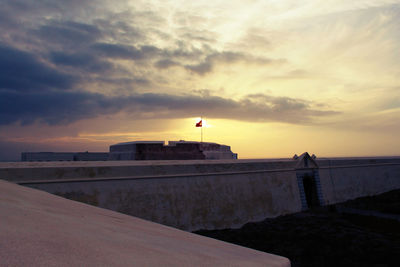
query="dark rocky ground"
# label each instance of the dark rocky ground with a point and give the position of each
(325, 237)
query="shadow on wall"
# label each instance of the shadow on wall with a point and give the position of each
(310, 191)
(91, 199)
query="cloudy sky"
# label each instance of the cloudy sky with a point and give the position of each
(271, 78)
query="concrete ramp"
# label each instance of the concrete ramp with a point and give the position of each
(40, 229)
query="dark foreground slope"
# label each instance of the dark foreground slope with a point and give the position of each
(329, 236)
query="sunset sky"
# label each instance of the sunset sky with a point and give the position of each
(270, 78)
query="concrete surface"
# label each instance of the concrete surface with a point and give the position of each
(40, 229)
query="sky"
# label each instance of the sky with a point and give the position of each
(269, 78)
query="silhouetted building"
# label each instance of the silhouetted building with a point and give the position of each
(141, 150)
(64, 156)
(175, 150)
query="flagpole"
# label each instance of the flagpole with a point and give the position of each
(201, 129)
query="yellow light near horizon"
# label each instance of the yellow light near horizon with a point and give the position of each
(283, 140)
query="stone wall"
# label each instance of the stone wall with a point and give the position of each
(342, 179)
(210, 194)
(191, 202)
(191, 196)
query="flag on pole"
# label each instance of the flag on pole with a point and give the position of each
(199, 124)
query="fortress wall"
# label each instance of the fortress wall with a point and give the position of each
(207, 194)
(191, 202)
(200, 195)
(343, 180)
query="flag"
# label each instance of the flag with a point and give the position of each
(199, 124)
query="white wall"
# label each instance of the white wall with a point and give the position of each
(342, 182)
(192, 202)
(203, 194)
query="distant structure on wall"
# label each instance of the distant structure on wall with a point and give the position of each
(141, 150)
(175, 150)
(64, 156)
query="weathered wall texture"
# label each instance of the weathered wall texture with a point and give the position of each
(343, 180)
(193, 196)
(201, 194)
(191, 203)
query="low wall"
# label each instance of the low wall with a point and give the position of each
(202, 194)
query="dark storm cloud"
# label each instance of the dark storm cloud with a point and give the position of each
(61, 107)
(83, 60)
(42, 57)
(27, 6)
(21, 70)
(201, 68)
(186, 103)
(88, 50)
(124, 82)
(256, 108)
(54, 107)
(68, 32)
(165, 63)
